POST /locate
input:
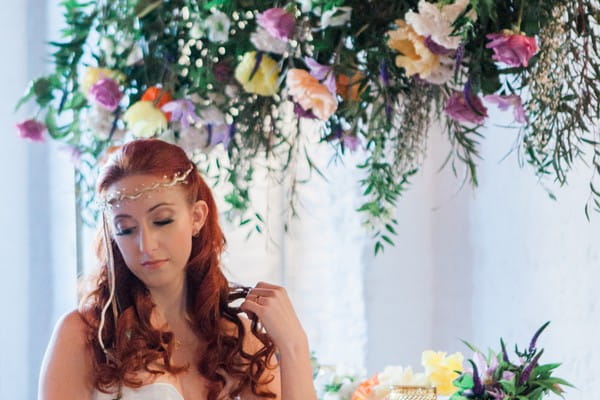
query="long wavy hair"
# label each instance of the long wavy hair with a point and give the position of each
(132, 343)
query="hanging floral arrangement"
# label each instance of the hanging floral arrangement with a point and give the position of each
(230, 81)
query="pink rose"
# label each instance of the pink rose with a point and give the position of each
(512, 49)
(106, 94)
(278, 22)
(463, 109)
(32, 130)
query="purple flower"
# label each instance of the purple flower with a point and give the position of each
(384, 74)
(302, 113)
(436, 48)
(537, 335)
(529, 368)
(278, 22)
(478, 388)
(106, 94)
(182, 110)
(322, 73)
(223, 71)
(497, 393)
(221, 133)
(466, 107)
(31, 129)
(351, 142)
(504, 102)
(512, 49)
(508, 376)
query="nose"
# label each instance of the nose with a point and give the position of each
(147, 242)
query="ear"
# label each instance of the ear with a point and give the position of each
(199, 214)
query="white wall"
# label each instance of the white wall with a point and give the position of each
(497, 261)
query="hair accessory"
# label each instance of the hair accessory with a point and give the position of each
(113, 198)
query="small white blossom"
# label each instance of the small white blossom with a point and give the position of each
(217, 25)
(337, 16)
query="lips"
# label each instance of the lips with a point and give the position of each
(153, 264)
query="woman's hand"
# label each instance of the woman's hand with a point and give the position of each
(274, 309)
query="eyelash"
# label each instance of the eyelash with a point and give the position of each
(158, 223)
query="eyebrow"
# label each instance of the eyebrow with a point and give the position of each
(154, 207)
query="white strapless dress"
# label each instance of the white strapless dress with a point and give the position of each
(152, 391)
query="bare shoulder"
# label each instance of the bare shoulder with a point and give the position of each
(67, 359)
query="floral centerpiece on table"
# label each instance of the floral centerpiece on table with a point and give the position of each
(230, 81)
(440, 370)
(335, 382)
(500, 377)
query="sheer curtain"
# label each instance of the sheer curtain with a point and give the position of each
(38, 237)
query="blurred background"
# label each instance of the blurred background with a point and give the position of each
(474, 264)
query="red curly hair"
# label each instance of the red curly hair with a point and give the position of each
(133, 344)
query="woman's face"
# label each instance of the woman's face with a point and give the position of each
(154, 232)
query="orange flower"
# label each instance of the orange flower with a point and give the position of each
(415, 57)
(159, 97)
(312, 95)
(347, 87)
(364, 390)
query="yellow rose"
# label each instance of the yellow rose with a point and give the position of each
(144, 120)
(440, 369)
(415, 57)
(94, 74)
(265, 79)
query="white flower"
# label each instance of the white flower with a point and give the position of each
(396, 375)
(336, 16)
(196, 31)
(100, 122)
(231, 91)
(212, 115)
(193, 138)
(435, 21)
(264, 41)
(217, 25)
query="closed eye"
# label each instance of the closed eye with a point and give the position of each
(123, 232)
(163, 222)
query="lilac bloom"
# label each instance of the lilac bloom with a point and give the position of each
(31, 129)
(478, 388)
(383, 74)
(436, 48)
(351, 142)
(486, 371)
(529, 368)
(220, 133)
(322, 73)
(106, 94)
(497, 393)
(539, 331)
(504, 102)
(508, 376)
(302, 113)
(182, 110)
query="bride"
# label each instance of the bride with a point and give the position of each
(161, 321)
